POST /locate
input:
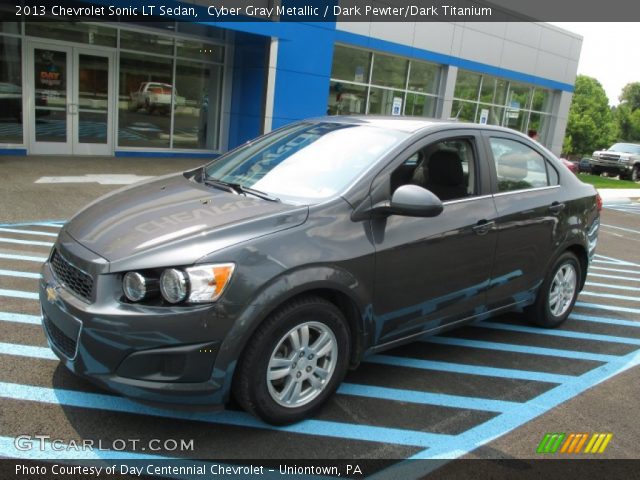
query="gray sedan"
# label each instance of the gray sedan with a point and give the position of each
(270, 271)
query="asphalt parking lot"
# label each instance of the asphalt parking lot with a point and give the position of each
(488, 390)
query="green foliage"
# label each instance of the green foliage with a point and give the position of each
(631, 95)
(591, 124)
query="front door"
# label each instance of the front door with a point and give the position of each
(434, 271)
(69, 104)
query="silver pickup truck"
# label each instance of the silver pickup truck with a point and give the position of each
(620, 159)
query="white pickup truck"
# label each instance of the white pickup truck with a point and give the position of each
(155, 96)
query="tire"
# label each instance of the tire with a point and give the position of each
(564, 279)
(635, 174)
(302, 379)
(596, 171)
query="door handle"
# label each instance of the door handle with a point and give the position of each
(556, 207)
(483, 227)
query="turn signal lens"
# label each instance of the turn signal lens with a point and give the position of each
(207, 282)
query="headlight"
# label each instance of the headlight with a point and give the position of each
(134, 286)
(207, 282)
(173, 285)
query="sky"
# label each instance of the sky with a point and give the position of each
(609, 53)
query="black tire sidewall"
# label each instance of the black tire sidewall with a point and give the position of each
(542, 312)
(321, 312)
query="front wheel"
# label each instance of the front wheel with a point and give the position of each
(635, 173)
(558, 292)
(294, 361)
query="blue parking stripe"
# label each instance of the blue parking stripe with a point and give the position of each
(239, 419)
(616, 260)
(620, 228)
(614, 287)
(440, 399)
(605, 320)
(614, 277)
(38, 223)
(19, 318)
(27, 351)
(619, 270)
(611, 295)
(507, 347)
(26, 258)
(28, 232)
(13, 273)
(468, 369)
(559, 333)
(18, 294)
(26, 242)
(508, 421)
(610, 308)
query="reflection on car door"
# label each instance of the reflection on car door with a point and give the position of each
(526, 198)
(433, 271)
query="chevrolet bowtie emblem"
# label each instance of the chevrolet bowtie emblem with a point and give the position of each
(52, 295)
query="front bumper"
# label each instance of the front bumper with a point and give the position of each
(160, 354)
(609, 166)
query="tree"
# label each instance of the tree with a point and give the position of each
(631, 95)
(590, 125)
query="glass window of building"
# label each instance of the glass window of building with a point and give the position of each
(398, 86)
(144, 103)
(197, 103)
(389, 71)
(498, 101)
(10, 90)
(351, 64)
(347, 99)
(73, 32)
(145, 42)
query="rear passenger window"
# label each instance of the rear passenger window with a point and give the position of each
(519, 167)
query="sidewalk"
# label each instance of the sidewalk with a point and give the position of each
(610, 195)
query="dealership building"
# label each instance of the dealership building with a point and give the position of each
(189, 89)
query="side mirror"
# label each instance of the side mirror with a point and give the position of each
(415, 201)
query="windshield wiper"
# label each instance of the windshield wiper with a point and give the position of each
(237, 188)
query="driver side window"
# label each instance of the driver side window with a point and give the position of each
(447, 168)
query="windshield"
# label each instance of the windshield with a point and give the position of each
(625, 148)
(306, 162)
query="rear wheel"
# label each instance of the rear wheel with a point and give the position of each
(294, 361)
(558, 292)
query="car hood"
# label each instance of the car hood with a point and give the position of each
(175, 220)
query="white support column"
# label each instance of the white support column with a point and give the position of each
(558, 126)
(447, 87)
(271, 86)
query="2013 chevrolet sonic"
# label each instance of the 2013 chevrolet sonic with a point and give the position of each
(270, 271)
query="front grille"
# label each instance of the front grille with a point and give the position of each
(605, 156)
(72, 277)
(60, 340)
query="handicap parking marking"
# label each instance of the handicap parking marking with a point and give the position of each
(598, 304)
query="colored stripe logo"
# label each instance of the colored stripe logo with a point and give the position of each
(574, 443)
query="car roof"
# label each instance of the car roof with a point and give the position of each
(409, 124)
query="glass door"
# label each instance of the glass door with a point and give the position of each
(48, 101)
(92, 103)
(70, 105)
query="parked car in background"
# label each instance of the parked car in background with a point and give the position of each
(572, 166)
(620, 159)
(155, 96)
(584, 165)
(270, 271)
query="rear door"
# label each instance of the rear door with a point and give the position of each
(526, 192)
(433, 271)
